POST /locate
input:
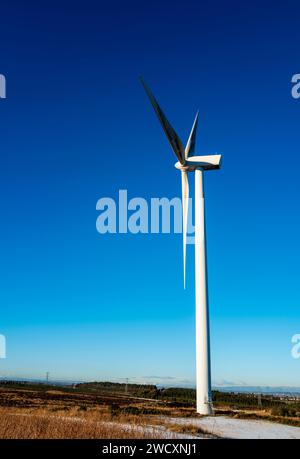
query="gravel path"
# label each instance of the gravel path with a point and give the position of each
(227, 427)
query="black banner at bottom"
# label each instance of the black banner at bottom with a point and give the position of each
(90, 449)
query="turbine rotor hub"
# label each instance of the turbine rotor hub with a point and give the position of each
(184, 167)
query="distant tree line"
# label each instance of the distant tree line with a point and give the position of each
(176, 396)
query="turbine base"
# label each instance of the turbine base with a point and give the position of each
(205, 408)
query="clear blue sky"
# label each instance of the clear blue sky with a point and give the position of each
(73, 128)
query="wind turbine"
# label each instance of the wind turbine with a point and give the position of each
(196, 164)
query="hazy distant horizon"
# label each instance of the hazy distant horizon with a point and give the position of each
(224, 388)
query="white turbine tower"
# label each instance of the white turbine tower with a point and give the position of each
(197, 164)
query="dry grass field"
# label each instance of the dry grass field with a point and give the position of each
(37, 411)
(37, 426)
(39, 414)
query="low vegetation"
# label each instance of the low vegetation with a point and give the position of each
(37, 426)
(110, 410)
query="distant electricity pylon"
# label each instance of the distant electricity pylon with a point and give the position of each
(47, 377)
(259, 400)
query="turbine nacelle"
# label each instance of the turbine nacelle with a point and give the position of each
(204, 163)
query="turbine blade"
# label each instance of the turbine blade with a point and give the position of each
(173, 138)
(191, 143)
(185, 206)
